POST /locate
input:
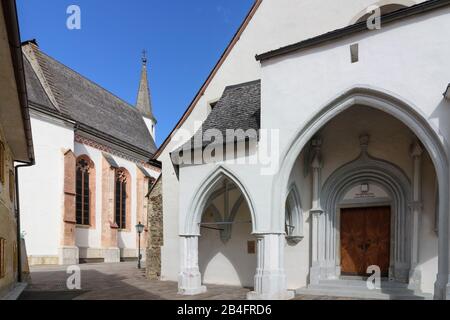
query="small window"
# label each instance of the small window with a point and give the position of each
(121, 198)
(251, 247)
(212, 105)
(151, 182)
(2, 163)
(15, 258)
(83, 198)
(11, 185)
(354, 52)
(2, 258)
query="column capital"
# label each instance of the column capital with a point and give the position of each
(263, 234)
(416, 205)
(316, 143)
(416, 150)
(364, 140)
(316, 146)
(189, 235)
(316, 211)
(316, 163)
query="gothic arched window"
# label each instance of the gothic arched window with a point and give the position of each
(83, 191)
(121, 195)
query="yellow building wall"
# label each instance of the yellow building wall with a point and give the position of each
(7, 224)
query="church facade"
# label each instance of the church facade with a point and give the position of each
(319, 163)
(83, 198)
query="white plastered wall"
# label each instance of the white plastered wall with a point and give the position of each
(389, 60)
(41, 188)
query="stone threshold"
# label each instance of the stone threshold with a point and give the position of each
(15, 292)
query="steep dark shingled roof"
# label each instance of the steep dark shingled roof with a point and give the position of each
(238, 108)
(89, 104)
(35, 90)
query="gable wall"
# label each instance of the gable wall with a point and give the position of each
(297, 86)
(41, 189)
(276, 23)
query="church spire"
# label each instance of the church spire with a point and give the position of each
(144, 102)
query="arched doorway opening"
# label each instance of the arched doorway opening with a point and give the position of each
(217, 242)
(341, 167)
(227, 248)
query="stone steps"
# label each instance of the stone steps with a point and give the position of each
(358, 289)
(363, 283)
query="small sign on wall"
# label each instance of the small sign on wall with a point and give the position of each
(364, 191)
(251, 247)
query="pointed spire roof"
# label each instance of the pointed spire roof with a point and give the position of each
(144, 101)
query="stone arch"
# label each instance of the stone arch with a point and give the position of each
(409, 115)
(366, 169)
(386, 102)
(202, 195)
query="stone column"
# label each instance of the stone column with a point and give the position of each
(442, 284)
(270, 279)
(316, 213)
(68, 252)
(416, 213)
(189, 279)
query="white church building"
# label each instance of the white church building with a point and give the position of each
(83, 198)
(341, 167)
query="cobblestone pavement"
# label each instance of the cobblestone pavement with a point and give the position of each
(119, 281)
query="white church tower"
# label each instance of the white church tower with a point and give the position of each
(144, 102)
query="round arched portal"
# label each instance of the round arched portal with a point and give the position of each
(412, 119)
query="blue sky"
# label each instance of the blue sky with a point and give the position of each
(184, 40)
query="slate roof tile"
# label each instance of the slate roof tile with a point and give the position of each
(238, 108)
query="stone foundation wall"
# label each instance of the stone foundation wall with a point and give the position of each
(155, 232)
